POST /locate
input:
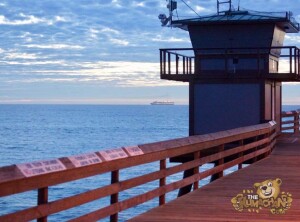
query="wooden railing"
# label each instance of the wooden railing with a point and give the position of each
(226, 149)
(290, 121)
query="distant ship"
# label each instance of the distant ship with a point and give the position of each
(162, 103)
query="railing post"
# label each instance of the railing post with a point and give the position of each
(187, 65)
(256, 148)
(169, 63)
(196, 169)
(190, 66)
(42, 199)
(268, 135)
(291, 62)
(177, 62)
(281, 122)
(183, 64)
(162, 181)
(114, 198)
(298, 61)
(221, 161)
(162, 62)
(295, 59)
(296, 121)
(241, 143)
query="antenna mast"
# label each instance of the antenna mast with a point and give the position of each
(221, 2)
(172, 5)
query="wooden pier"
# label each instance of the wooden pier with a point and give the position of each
(213, 202)
(271, 153)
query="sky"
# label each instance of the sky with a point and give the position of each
(101, 51)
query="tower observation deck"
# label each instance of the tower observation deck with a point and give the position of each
(234, 45)
(237, 64)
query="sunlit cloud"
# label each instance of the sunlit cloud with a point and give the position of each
(29, 20)
(34, 62)
(160, 38)
(29, 37)
(293, 38)
(109, 30)
(138, 4)
(119, 42)
(54, 46)
(28, 34)
(199, 8)
(108, 43)
(291, 101)
(119, 73)
(93, 33)
(116, 3)
(284, 67)
(60, 19)
(16, 55)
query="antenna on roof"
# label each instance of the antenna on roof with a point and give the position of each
(222, 2)
(172, 5)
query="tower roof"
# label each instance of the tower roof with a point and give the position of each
(282, 19)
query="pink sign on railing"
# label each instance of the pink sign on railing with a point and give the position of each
(85, 159)
(113, 154)
(134, 150)
(41, 167)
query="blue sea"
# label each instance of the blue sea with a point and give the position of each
(39, 132)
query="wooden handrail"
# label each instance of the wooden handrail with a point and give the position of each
(225, 149)
(290, 121)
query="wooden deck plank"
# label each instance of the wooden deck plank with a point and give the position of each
(213, 202)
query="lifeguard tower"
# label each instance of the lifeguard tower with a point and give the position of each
(236, 67)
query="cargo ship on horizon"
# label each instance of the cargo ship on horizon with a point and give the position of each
(162, 103)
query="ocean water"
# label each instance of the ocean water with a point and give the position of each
(35, 132)
(38, 132)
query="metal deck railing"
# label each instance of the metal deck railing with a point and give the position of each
(275, 63)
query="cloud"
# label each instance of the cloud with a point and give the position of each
(60, 19)
(293, 38)
(54, 46)
(16, 55)
(118, 73)
(119, 42)
(29, 20)
(291, 101)
(108, 43)
(30, 37)
(138, 4)
(116, 3)
(33, 63)
(199, 8)
(93, 33)
(109, 30)
(160, 38)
